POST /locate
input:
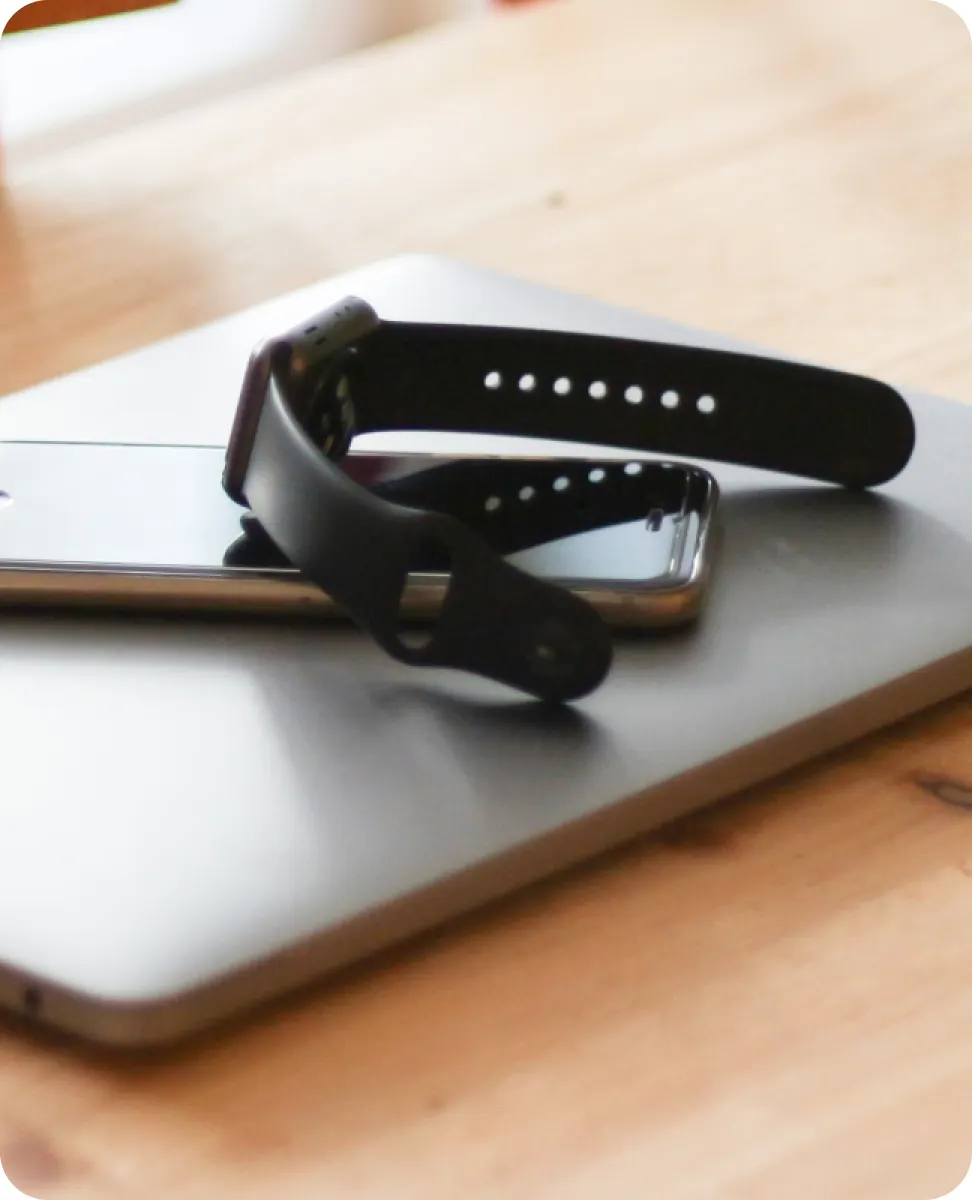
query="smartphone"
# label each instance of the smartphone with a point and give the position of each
(134, 527)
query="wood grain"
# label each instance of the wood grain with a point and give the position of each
(771, 1000)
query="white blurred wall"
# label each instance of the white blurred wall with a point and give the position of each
(62, 86)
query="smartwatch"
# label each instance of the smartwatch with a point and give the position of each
(308, 392)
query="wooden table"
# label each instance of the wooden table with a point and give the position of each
(773, 999)
(41, 13)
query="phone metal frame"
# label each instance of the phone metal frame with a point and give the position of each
(276, 593)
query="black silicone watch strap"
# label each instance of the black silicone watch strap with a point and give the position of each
(517, 504)
(345, 372)
(667, 399)
(495, 621)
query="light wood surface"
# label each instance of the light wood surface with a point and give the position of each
(772, 1000)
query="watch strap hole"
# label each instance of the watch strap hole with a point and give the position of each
(429, 556)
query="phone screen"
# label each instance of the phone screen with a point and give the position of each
(117, 510)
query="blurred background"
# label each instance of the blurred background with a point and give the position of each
(66, 82)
